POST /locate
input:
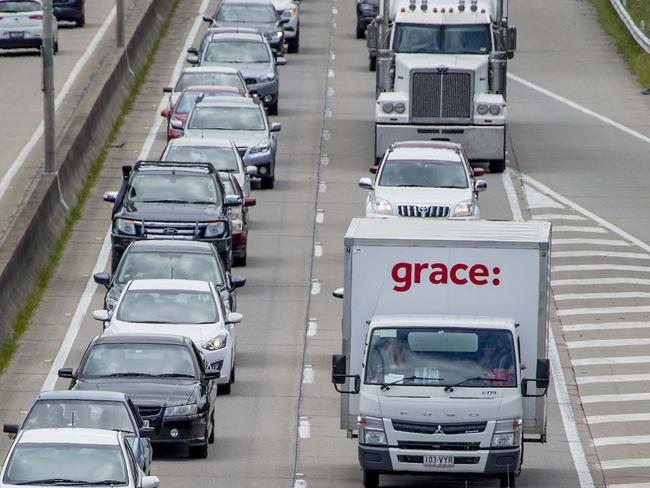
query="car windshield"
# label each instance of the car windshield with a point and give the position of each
(441, 357)
(31, 462)
(210, 79)
(13, 7)
(227, 118)
(423, 173)
(438, 39)
(222, 158)
(236, 52)
(88, 414)
(229, 188)
(188, 99)
(168, 307)
(162, 265)
(247, 13)
(173, 188)
(106, 360)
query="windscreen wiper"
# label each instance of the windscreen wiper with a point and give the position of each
(103, 483)
(174, 375)
(122, 375)
(473, 378)
(52, 481)
(386, 386)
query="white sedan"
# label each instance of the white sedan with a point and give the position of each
(187, 308)
(424, 179)
(73, 457)
(21, 25)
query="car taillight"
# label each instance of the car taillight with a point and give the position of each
(36, 17)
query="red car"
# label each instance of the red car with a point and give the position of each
(238, 217)
(186, 101)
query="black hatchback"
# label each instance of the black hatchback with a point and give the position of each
(70, 10)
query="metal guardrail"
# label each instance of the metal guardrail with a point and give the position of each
(639, 36)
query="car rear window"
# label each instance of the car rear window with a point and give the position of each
(26, 6)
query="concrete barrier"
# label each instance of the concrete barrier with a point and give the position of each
(31, 239)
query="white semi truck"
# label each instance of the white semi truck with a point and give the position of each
(441, 74)
(445, 330)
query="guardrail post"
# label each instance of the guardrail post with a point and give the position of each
(47, 56)
(119, 23)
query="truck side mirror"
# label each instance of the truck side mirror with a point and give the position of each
(543, 373)
(339, 369)
(511, 42)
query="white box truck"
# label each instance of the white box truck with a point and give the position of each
(445, 329)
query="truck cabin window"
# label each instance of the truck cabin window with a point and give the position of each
(442, 39)
(441, 357)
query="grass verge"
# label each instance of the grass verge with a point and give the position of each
(24, 316)
(635, 57)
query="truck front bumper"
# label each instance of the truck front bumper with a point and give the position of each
(481, 142)
(482, 462)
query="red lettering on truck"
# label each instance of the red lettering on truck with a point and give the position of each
(405, 275)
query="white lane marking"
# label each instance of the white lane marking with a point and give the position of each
(619, 397)
(622, 441)
(625, 463)
(600, 267)
(322, 187)
(601, 281)
(335, 11)
(318, 249)
(537, 199)
(324, 159)
(506, 178)
(618, 417)
(330, 92)
(308, 374)
(580, 108)
(558, 217)
(606, 326)
(77, 318)
(612, 360)
(629, 485)
(637, 341)
(576, 228)
(612, 378)
(593, 242)
(601, 311)
(300, 484)
(599, 253)
(8, 177)
(304, 429)
(326, 136)
(315, 287)
(320, 216)
(330, 73)
(602, 296)
(312, 327)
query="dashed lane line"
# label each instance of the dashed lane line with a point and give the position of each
(615, 398)
(612, 360)
(606, 326)
(588, 241)
(612, 378)
(619, 417)
(622, 440)
(599, 253)
(636, 341)
(600, 267)
(601, 281)
(602, 310)
(623, 295)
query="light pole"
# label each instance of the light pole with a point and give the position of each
(119, 23)
(47, 55)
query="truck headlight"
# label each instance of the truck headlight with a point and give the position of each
(216, 343)
(464, 209)
(215, 229)
(237, 225)
(399, 108)
(125, 226)
(507, 433)
(495, 109)
(371, 431)
(388, 107)
(482, 109)
(181, 410)
(383, 207)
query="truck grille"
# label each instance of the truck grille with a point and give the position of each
(422, 211)
(172, 230)
(441, 96)
(420, 459)
(426, 428)
(440, 446)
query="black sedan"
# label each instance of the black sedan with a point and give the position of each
(70, 10)
(165, 376)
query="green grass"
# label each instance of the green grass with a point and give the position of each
(637, 60)
(640, 10)
(26, 313)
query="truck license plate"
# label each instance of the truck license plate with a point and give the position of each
(437, 461)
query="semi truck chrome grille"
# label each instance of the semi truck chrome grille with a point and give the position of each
(420, 459)
(429, 428)
(440, 446)
(423, 211)
(441, 96)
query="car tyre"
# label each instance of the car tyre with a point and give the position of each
(372, 63)
(361, 32)
(497, 165)
(115, 260)
(81, 21)
(508, 480)
(267, 183)
(273, 108)
(232, 374)
(211, 436)
(370, 478)
(240, 260)
(199, 452)
(294, 42)
(56, 46)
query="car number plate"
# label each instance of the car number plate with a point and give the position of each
(16, 35)
(438, 461)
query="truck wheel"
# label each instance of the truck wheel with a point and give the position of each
(225, 388)
(497, 165)
(372, 63)
(81, 21)
(361, 32)
(370, 478)
(508, 480)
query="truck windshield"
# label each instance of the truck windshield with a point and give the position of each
(441, 357)
(442, 39)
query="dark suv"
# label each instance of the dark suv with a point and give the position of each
(367, 10)
(170, 200)
(70, 10)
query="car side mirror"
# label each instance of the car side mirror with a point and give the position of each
(234, 318)
(480, 185)
(101, 315)
(147, 432)
(150, 482)
(110, 196)
(251, 170)
(250, 202)
(284, 21)
(168, 89)
(232, 201)
(338, 293)
(11, 429)
(66, 373)
(276, 127)
(373, 169)
(165, 113)
(193, 59)
(102, 278)
(211, 374)
(237, 281)
(208, 19)
(365, 183)
(478, 171)
(177, 124)
(193, 50)
(280, 60)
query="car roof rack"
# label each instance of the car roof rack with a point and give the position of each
(184, 165)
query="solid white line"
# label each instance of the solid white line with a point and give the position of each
(601, 310)
(10, 174)
(597, 253)
(580, 108)
(593, 242)
(558, 217)
(629, 485)
(606, 326)
(625, 463)
(637, 341)
(611, 360)
(619, 417)
(511, 193)
(601, 281)
(576, 228)
(602, 296)
(600, 267)
(612, 378)
(619, 397)
(77, 318)
(622, 441)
